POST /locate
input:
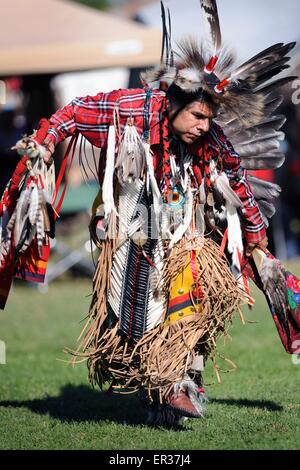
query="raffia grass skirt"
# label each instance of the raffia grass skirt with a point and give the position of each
(163, 355)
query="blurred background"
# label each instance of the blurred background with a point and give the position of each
(50, 52)
(54, 50)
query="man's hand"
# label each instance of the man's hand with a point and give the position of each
(251, 246)
(49, 147)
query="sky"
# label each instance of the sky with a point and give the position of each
(249, 26)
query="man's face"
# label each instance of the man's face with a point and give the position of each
(191, 122)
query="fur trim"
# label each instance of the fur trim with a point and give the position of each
(197, 398)
(30, 147)
(152, 78)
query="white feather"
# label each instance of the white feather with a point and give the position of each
(184, 179)
(187, 85)
(200, 220)
(164, 226)
(49, 180)
(190, 74)
(107, 187)
(34, 204)
(128, 199)
(131, 156)
(235, 242)
(21, 217)
(40, 231)
(188, 212)
(173, 166)
(222, 184)
(153, 183)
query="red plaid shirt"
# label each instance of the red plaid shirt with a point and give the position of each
(92, 115)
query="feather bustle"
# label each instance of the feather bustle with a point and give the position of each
(263, 189)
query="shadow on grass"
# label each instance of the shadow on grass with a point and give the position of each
(263, 404)
(82, 403)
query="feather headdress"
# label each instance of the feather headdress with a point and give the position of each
(246, 96)
(240, 92)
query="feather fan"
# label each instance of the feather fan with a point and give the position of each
(272, 275)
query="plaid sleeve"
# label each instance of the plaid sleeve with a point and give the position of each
(88, 115)
(253, 225)
(62, 124)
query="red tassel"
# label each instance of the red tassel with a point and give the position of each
(148, 259)
(209, 68)
(70, 150)
(221, 85)
(245, 281)
(223, 244)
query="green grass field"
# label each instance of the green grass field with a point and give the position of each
(48, 404)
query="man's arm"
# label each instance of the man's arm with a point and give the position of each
(81, 115)
(253, 226)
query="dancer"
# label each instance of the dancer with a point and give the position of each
(180, 224)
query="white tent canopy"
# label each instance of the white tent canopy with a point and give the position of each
(248, 26)
(50, 36)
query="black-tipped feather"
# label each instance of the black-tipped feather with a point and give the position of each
(171, 53)
(265, 52)
(254, 73)
(276, 84)
(164, 33)
(210, 14)
(269, 56)
(270, 74)
(167, 56)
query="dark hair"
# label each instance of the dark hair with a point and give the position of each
(181, 98)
